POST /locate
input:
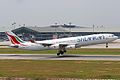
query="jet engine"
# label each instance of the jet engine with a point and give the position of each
(73, 46)
(55, 46)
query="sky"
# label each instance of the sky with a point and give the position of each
(46, 12)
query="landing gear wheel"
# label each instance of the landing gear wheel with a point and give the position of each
(61, 52)
(58, 54)
(106, 45)
(64, 51)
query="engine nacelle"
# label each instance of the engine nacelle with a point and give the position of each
(55, 46)
(73, 46)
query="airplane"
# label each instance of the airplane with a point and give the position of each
(61, 44)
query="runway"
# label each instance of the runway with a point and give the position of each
(54, 57)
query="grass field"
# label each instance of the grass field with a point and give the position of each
(70, 51)
(60, 69)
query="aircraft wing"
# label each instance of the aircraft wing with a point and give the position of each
(49, 44)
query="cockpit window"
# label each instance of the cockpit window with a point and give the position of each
(112, 35)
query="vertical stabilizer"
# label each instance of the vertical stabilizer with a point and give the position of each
(14, 39)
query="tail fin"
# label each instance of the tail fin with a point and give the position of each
(14, 39)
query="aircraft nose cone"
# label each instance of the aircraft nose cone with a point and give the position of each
(116, 37)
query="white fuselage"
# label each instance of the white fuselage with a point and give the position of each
(71, 42)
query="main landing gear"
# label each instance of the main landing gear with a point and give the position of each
(61, 51)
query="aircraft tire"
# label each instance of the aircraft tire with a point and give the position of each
(58, 54)
(64, 51)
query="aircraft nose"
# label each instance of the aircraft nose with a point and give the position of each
(116, 37)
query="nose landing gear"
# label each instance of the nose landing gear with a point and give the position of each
(106, 45)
